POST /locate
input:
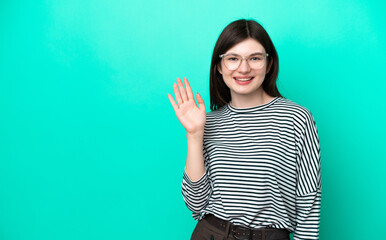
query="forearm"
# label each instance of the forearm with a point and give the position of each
(308, 216)
(195, 185)
(195, 167)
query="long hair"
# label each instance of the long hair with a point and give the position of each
(233, 34)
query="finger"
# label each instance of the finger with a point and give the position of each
(178, 95)
(188, 89)
(182, 90)
(174, 104)
(200, 101)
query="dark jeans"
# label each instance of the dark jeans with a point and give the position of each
(205, 231)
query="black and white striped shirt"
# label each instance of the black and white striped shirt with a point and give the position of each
(262, 168)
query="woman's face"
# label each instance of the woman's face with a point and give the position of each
(244, 71)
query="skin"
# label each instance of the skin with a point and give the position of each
(252, 94)
(193, 116)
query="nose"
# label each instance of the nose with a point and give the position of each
(244, 66)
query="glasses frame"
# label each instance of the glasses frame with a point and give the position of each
(265, 55)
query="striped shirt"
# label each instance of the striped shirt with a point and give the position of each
(262, 168)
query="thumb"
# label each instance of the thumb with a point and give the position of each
(200, 102)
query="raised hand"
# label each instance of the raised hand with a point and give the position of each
(191, 116)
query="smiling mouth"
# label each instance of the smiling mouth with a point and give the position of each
(243, 79)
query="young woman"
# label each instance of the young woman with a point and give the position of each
(253, 163)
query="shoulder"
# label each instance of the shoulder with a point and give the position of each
(303, 120)
(298, 112)
(220, 112)
(217, 117)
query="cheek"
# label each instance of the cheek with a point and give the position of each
(227, 77)
(228, 80)
(220, 68)
(262, 72)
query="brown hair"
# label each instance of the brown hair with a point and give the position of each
(233, 34)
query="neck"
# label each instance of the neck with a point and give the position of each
(248, 101)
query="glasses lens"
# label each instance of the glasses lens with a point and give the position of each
(232, 62)
(256, 62)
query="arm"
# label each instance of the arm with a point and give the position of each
(195, 183)
(195, 160)
(308, 188)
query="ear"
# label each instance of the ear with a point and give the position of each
(219, 68)
(269, 65)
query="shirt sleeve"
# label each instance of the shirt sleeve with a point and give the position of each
(196, 193)
(308, 188)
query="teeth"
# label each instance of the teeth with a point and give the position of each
(243, 79)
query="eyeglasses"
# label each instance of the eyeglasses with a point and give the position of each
(232, 61)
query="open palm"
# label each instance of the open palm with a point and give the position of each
(191, 116)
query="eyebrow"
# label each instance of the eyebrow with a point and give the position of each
(255, 53)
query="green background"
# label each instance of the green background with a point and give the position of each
(90, 147)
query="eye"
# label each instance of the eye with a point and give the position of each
(256, 58)
(232, 58)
